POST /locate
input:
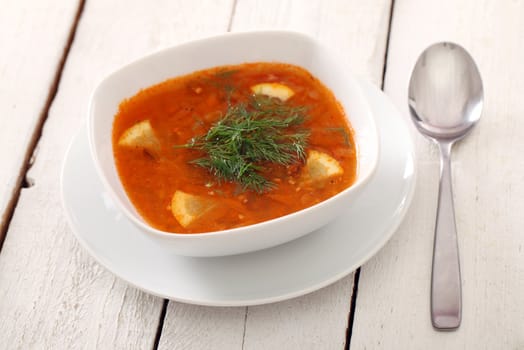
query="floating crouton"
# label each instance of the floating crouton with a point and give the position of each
(320, 166)
(187, 208)
(282, 92)
(140, 135)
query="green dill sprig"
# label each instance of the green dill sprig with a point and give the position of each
(249, 135)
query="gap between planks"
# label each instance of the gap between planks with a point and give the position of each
(160, 326)
(23, 181)
(356, 278)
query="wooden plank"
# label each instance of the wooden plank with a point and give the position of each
(315, 321)
(52, 294)
(357, 32)
(33, 36)
(201, 327)
(393, 298)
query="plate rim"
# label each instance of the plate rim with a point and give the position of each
(385, 237)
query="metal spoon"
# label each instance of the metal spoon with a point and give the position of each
(445, 101)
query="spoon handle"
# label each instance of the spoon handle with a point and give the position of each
(446, 299)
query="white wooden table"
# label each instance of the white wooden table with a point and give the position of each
(53, 295)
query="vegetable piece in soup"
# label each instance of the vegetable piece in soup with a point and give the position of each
(232, 146)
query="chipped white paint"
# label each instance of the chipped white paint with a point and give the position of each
(33, 36)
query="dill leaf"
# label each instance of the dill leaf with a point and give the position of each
(250, 135)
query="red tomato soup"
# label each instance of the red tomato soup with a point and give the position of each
(232, 146)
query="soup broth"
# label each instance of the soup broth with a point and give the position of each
(232, 146)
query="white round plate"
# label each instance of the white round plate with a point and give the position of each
(289, 270)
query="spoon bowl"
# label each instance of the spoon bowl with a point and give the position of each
(445, 100)
(445, 92)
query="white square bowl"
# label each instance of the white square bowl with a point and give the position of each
(228, 49)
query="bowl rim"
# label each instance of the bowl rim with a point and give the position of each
(142, 224)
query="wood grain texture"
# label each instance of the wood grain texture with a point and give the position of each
(33, 36)
(52, 294)
(315, 321)
(355, 30)
(393, 302)
(201, 327)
